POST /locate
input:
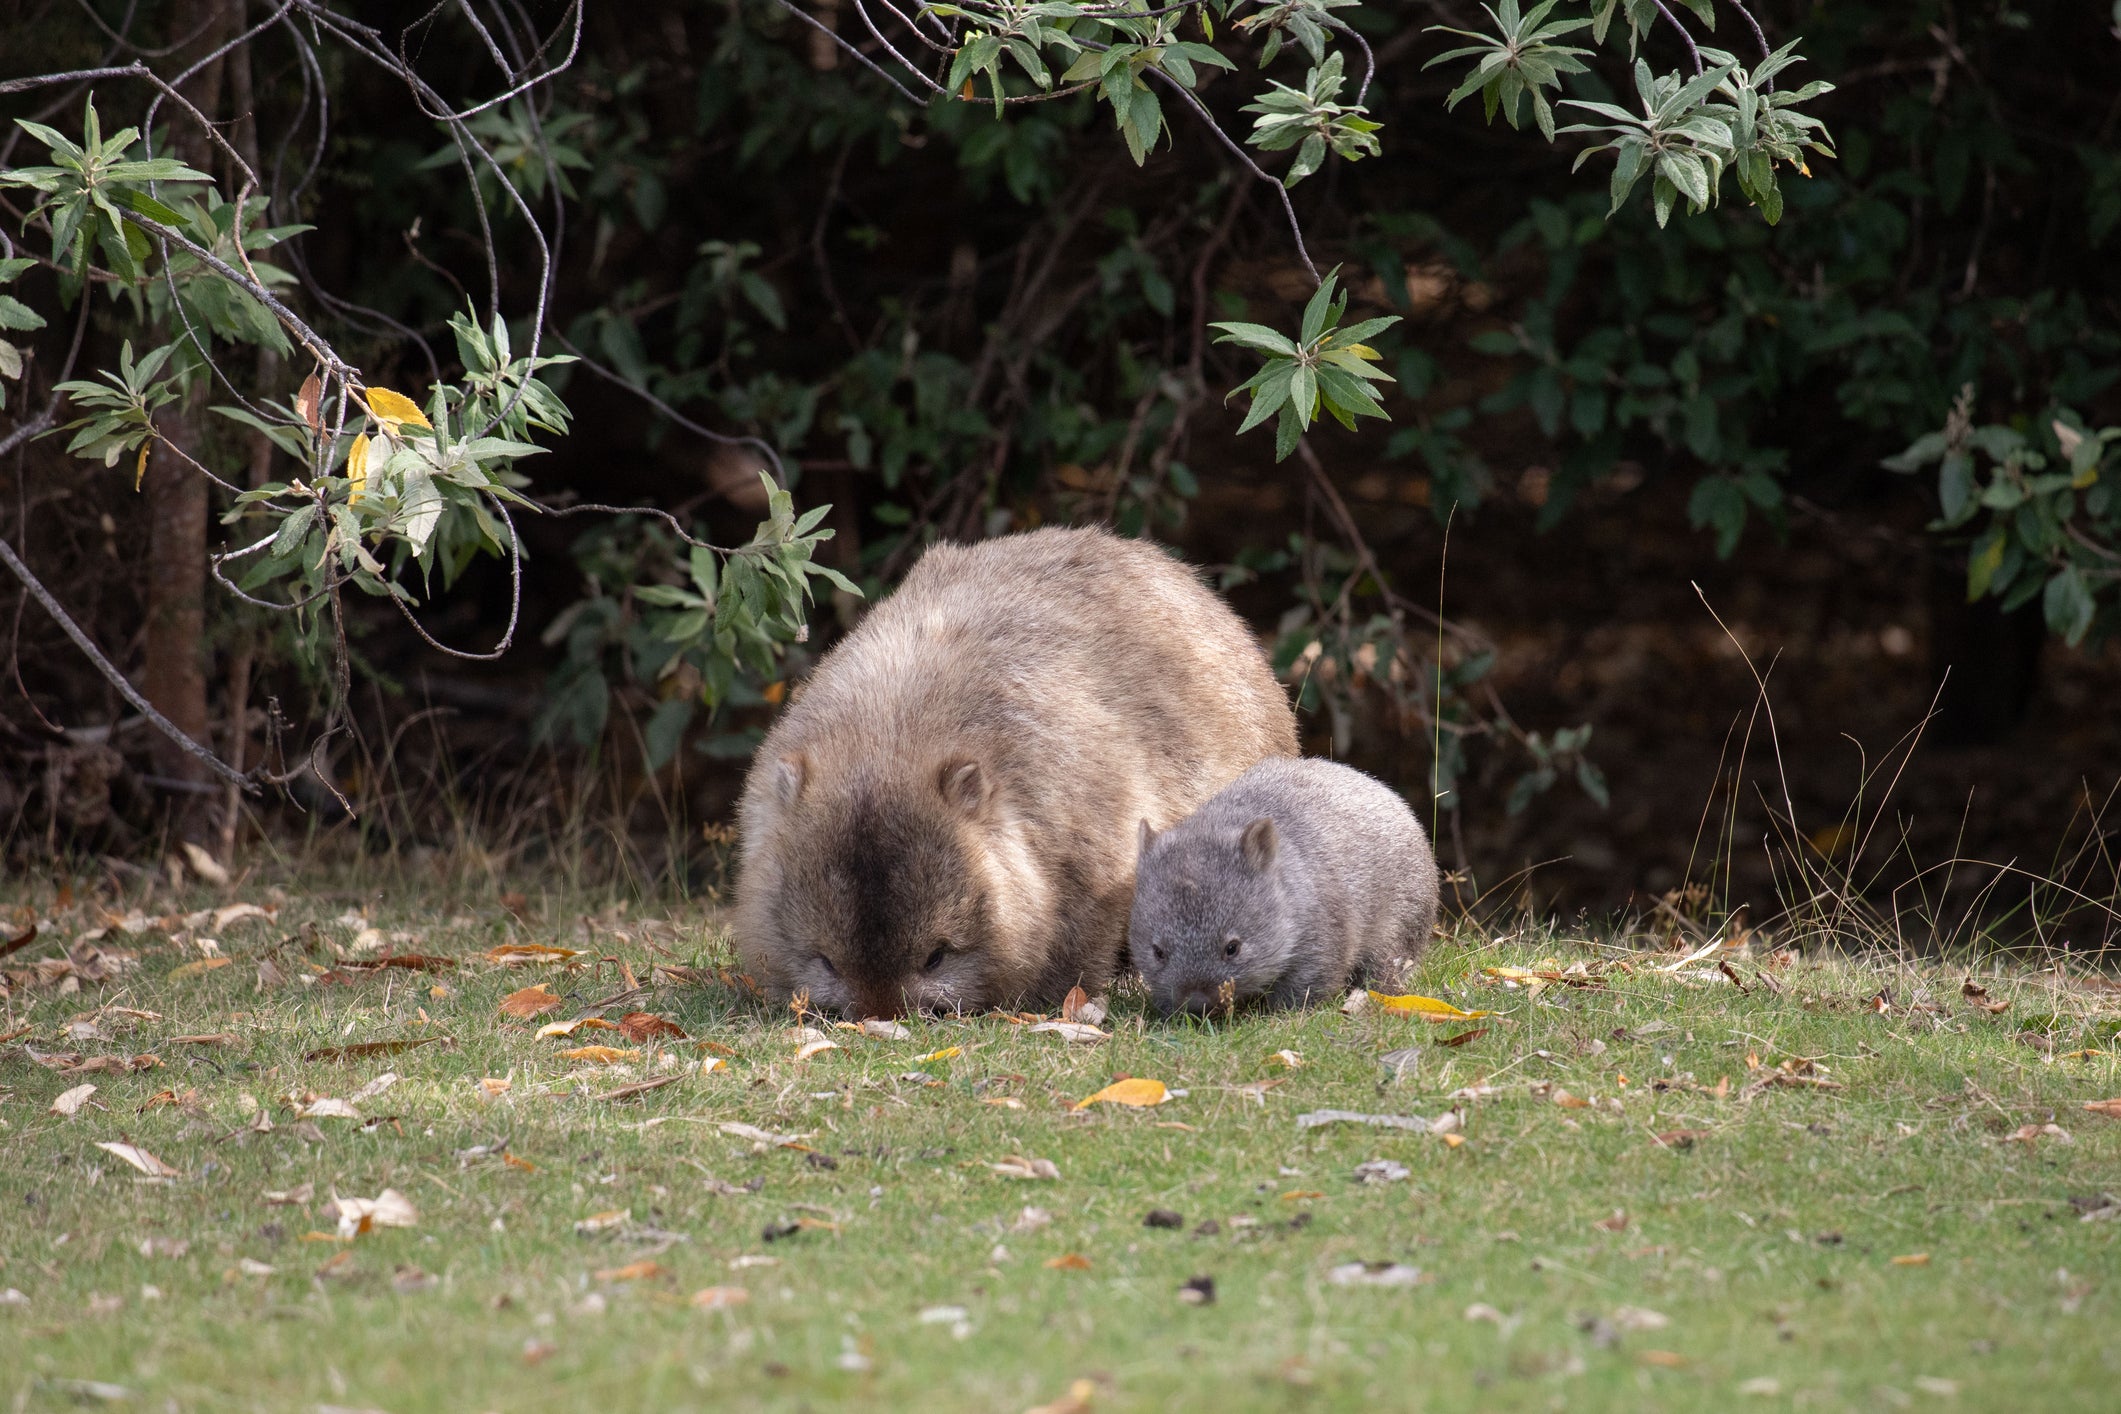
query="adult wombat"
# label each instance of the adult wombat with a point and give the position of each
(943, 819)
(1296, 876)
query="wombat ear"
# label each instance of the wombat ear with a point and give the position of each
(789, 773)
(964, 785)
(1145, 835)
(1259, 843)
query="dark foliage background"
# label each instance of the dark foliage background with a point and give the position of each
(952, 326)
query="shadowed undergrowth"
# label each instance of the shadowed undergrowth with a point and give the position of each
(1672, 1183)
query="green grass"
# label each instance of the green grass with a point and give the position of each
(1768, 1243)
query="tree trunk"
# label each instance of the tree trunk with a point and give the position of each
(173, 675)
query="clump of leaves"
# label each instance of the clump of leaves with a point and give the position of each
(1325, 367)
(1313, 116)
(1516, 62)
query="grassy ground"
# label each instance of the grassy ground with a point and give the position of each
(1880, 1244)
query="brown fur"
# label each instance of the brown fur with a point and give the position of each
(966, 772)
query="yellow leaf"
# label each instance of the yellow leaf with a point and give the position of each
(392, 409)
(1135, 1093)
(1364, 351)
(140, 470)
(568, 1028)
(1069, 1262)
(511, 953)
(1913, 1259)
(357, 468)
(1427, 1008)
(204, 964)
(602, 1055)
(946, 1053)
(531, 1001)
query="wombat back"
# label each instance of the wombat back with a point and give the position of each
(944, 818)
(1298, 876)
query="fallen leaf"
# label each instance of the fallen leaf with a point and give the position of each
(1618, 1222)
(365, 1049)
(1075, 1032)
(1075, 1401)
(606, 1221)
(235, 913)
(327, 1109)
(1427, 1008)
(1463, 1037)
(1381, 1171)
(885, 1030)
(536, 1352)
(204, 865)
(643, 1270)
(293, 1197)
(1374, 1274)
(568, 1028)
(1318, 1117)
(639, 1026)
(1639, 1318)
(1567, 1101)
(1915, 1259)
(140, 1159)
(1073, 1003)
(1977, 995)
(1679, 1138)
(530, 1001)
(69, 1104)
(599, 1055)
(1017, 1166)
(2027, 1133)
(720, 1298)
(518, 1163)
(1003, 1102)
(358, 1216)
(495, 1086)
(1296, 1195)
(738, 1129)
(813, 1048)
(640, 1087)
(211, 1038)
(1133, 1093)
(204, 964)
(1069, 1262)
(373, 1088)
(1663, 1359)
(946, 1053)
(511, 954)
(2110, 1108)
(1288, 1060)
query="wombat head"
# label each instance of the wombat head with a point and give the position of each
(1210, 926)
(873, 891)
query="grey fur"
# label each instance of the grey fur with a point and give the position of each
(964, 772)
(1316, 872)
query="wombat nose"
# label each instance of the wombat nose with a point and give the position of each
(1200, 1002)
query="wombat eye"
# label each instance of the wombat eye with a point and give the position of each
(1158, 951)
(1230, 947)
(826, 963)
(935, 959)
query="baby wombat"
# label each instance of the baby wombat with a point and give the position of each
(943, 819)
(1295, 877)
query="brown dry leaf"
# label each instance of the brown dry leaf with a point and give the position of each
(1978, 995)
(813, 1048)
(306, 400)
(140, 1159)
(1135, 1093)
(339, 1263)
(2110, 1108)
(536, 1352)
(327, 1108)
(1678, 1138)
(1017, 1166)
(365, 1049)
(204, 964)
(640, 1087)
(494, 1086)
(204, 865)
(1073, 1004)
(1005, 1102)
(20, 941)
(1663, 1359)
(1567, 1101)
(2027, 1133)
(530, 1001)
(884, 1030)
(639, 1026)
(568, 1028)
(69, 1104)
(210, 1038)
(1463, 1037)
(1618, 1222)
(293, 1197)
(1069, 1262)
(1075, 1401)
(737, 1129)
(1913, 1259)
(510, 954)
(644, 1270)
(1298, 1195)
(515, 1163)
(720, 1298)
(606, 1221)
(600, 1055)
